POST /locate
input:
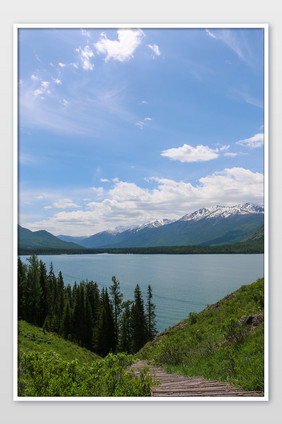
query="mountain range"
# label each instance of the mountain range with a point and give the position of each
(207, 226)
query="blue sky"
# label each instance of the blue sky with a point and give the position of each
(122, 126)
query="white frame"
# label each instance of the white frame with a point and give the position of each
(265, 27)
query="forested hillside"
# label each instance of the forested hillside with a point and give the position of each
(94, 318)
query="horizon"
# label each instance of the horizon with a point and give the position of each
(119, 127)
(124, 228)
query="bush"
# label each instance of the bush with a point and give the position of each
(43, 375)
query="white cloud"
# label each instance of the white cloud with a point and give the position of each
(40, 197)
(252, 142)
(34, 77)
(231, 154)
(155, 49)
(144, 102)
(127, 203)
(64, 102)
(188, 153)
(104, 180)
(47, 207)
(98, 191)
(85, 56)
(65, 204)
(211, 34)
(85, 33)
(45, 84)
(57, 81)
(141, 124)
(62, 65)
(121, 49)
(37, 92)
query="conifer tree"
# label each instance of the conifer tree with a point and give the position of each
(106, 338)
(34, 291)
(116, 297)
(66, 324)
(125, 340)
(139, 327)
(151, 315)
(22, 290)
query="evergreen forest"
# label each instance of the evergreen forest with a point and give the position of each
(96, 319)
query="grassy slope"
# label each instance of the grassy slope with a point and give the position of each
(32, 339)
(218, 343)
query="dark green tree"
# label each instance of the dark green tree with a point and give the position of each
(116, 297)
(125, 340)
(139, 326)
(66, 323)
(22, 290)
(150, 315)
(106, 337)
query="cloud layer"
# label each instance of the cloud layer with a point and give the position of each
(126, 203)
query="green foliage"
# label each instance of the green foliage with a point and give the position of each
(83, 314)
(223, 342)
(48, 374)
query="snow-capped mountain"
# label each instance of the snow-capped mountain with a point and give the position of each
(223, 212)
(214, 225)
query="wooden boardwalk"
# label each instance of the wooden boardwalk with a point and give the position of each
(175, 385)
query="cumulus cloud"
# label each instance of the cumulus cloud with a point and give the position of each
(127, 203)
(252, 142)
(85, 56)
(155, 49)
(187, 153)
(104, 180)
(121, 49)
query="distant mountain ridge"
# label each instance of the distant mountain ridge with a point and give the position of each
(206, 226)
(212, 226)
(35, 239)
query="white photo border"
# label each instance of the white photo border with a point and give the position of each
(16, 29)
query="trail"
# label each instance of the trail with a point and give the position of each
(176, 385)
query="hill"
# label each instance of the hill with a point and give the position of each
(214, 226)
(225, 341)
(34, 339)
(41, 239)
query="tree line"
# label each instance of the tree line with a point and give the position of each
(98, 320)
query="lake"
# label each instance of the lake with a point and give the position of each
(180, 283)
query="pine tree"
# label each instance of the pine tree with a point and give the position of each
(106, 337)
(116, 296)
(151, 315)
(125, 340)
(139, 327)
(66, 323)
(22, 290)
(34, 291)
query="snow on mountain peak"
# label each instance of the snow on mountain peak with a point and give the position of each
(223, 212)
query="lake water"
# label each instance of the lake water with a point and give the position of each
(180, 283)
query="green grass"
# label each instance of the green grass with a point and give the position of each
(33, 339)
(223, 342)
(50, 366)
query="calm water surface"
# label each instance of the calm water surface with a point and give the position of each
(180, 283)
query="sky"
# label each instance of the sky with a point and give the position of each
(118, 127)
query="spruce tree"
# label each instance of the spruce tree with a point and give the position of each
(106, 338)
(116, 297)
(139, 327)
(151, 315)
(125, 340)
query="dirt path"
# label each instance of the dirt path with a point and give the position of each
(175, 385)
